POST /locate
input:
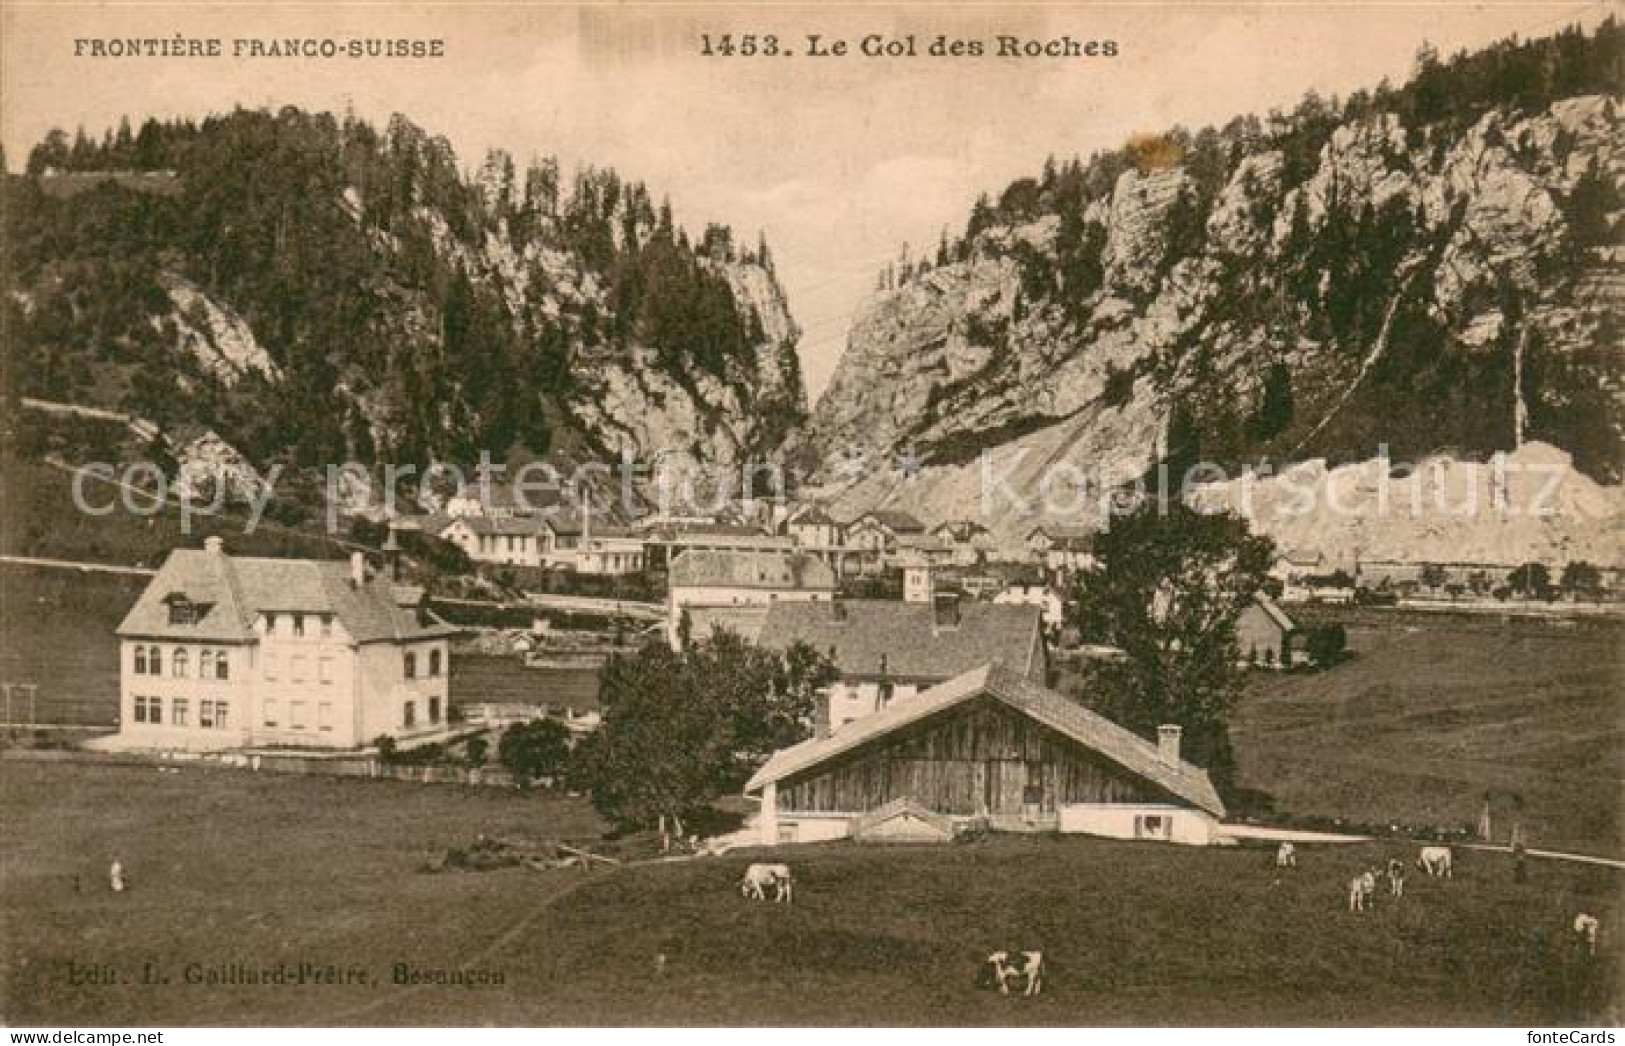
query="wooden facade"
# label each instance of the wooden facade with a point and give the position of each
(981, 758)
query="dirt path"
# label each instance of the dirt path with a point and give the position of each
(502, 941)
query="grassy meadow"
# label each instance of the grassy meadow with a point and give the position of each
(234, 868)
(1434, 711)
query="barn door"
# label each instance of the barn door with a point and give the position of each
(1006, 782)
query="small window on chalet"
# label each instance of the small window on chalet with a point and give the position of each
(205, 664)
(180, 664)
(327, 626)
(411, 665)
(1152, 826)
(140, 660)
(181, 611)
(298, 624)
(434, 663)
(222, 666)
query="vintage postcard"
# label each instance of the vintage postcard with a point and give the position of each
(874, 514)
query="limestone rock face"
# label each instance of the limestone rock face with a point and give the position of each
(1493, 326)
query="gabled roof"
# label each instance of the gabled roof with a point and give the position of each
(863, 633)
(923, 543)
(810, 516)
(1060, 713)
(960, 530)
(894, 520)
(705, 568)
(1066, 535)
(234, 590)
(1274, 612)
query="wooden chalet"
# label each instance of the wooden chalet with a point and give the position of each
(992, 748)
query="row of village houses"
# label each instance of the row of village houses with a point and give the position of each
(938, 716)
(494, 527)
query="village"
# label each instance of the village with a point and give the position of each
(951, 712)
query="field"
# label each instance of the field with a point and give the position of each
(236, 868)
(1435, 711)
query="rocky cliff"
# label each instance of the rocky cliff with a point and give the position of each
(316, 289)
(1321, 288)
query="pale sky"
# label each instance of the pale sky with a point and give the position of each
(840, 160)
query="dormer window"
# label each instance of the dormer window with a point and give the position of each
(182, 611)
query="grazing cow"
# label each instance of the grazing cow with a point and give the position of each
(1585, 931)
(1436, 861)
(115, 877)
(758, 877)
(1026, 969)
(1286, 856)
(1396, 877)
(1361, 889)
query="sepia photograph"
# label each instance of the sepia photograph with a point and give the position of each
(885, 514)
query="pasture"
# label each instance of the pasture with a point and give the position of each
(233, 868)
(1433, 712)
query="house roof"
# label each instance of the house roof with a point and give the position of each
(923, 543)
(1056, 711)
(707, 568)
(233, 590)
(810, 516)
(896, 521)
(960, 530)
(863, 632)
(1274, 612)
(1065, 535)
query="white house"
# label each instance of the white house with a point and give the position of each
(1062, 547)
(885, 650)
(609, 550)
(226, 651)
(988, 747)
(971, 542)
(735, 588)
(811, 527)
(1034, 594)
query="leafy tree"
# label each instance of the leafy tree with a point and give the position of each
(1581, 580)
(1532, 581)
(539, 748)
(682, 728)
(1433, 575)
(476, 751)
(1171, 584)
(1327, 644)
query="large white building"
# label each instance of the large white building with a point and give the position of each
(885, 650)
(734, 589)
(225, 651)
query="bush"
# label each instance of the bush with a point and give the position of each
(1328, 644)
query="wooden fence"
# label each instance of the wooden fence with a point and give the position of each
(278, 763)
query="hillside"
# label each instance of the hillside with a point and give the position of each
(1433, 269)
(316, 290)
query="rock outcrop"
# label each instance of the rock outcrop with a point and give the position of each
(1439, 292)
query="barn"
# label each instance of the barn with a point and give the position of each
(988, 748)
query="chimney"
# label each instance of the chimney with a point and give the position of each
(1168, 743)
(358, 569)
(392, 554)
(214, 546)
(946, 607)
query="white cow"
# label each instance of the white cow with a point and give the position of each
(1585, 931)
(1361, 889)
(115, 877)
(1023, 968)
(758, 877)
(1436, 861)
(1286, 856)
